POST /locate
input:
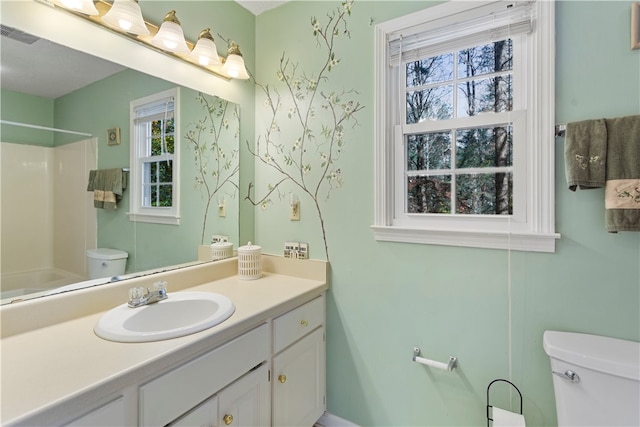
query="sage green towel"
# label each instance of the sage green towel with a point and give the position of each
(108, 186)
(585, 154)
(96, 184)
(622, 191)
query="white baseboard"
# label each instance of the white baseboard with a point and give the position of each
(330, 420)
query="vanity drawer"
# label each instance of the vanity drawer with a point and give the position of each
(297, 323)
(167, 397)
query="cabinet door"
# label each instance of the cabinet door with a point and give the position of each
(246, 402)
(299, 382)
(203, 415)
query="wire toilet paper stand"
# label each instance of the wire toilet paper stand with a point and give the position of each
(488, 399)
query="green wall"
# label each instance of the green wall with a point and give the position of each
(29, 109)
(386, 298)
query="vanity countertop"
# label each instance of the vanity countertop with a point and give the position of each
(48, 365)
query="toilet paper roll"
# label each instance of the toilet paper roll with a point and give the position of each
(504, 418)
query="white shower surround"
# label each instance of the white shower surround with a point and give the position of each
(43, 230)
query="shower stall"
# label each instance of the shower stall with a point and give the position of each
(47, 216)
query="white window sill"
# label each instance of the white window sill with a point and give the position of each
(533, 242)
(154, 219)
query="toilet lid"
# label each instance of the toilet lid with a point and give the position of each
(604, 354)
(106, 253)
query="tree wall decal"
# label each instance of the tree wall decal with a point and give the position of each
(306, 133)
(215, 151)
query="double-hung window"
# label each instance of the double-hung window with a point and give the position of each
(464, 140)
(154, 158)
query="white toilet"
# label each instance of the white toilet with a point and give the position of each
(596, 379)
(104, 262)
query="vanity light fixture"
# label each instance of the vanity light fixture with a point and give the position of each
(170, 36)
(234, 64)
(125, 15)
(85, 7)
(205, 52)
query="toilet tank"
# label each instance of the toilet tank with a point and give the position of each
(105, 262)
(605, 390)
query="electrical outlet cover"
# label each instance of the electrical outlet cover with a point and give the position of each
(296, 250)
(303, 251)
(290, 249)
(217, 238)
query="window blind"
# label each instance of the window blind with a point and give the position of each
(158, 110)
(494, 21)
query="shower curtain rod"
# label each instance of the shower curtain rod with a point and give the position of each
(27, 125)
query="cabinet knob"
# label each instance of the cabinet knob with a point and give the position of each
(304, 323)
(282, 378)
(228, 419)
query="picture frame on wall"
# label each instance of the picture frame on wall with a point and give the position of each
(635, 25)
(113, 136)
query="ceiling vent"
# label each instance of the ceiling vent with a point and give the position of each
(18, 35)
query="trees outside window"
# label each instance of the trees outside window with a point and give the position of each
(464, 83)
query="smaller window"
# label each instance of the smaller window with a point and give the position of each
(154, 158)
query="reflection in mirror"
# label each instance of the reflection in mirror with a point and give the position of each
(49, 221)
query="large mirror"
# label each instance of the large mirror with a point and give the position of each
(57, 115)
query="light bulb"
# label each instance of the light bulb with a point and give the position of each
(126, 15)
(205, 52)
(234, 64)
(124, 24)
(170, 36)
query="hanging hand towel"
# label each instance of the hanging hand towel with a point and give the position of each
(96, 184)
(585, 151)
(108, 186)
(622, 191)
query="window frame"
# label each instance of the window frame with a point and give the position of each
(535, 229)
(138, 212)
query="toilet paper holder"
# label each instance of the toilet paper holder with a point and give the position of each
(488, 399)
(449, 366)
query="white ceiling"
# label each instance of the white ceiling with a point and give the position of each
(46, 69)
(258, 6)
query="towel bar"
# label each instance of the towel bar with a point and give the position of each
(561, 129)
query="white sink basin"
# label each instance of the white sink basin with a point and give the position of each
(182, 313)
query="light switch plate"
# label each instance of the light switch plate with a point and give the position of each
(222, 209)
(294, 211)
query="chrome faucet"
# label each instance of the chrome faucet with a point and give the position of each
(145, 296)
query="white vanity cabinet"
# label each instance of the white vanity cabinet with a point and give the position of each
(298, 386)
(263, 366)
